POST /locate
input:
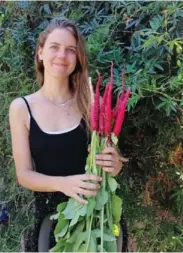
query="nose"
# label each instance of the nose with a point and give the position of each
(62, 52)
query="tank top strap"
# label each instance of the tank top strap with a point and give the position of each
(28, 107)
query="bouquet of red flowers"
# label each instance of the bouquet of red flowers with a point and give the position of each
(94, 227)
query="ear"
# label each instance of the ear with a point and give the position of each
(40, 53)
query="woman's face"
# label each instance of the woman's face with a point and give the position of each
(59, 53)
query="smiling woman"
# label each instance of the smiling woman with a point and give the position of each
(49, 128)
(59, 54)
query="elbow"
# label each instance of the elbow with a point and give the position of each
(22, 179)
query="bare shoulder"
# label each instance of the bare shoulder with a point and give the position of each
(18, 111)
(19, 105)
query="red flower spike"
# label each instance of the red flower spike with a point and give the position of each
(102, 111)
(92, 118)
(101, 117)
(108, 107)
(94, 115)
(121, 114)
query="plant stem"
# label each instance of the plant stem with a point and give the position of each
(90, 226)
(102, 214)
(93, 152)
(102, 230)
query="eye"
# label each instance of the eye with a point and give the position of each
(54, 47)
(72, 50)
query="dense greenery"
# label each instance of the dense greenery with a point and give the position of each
(148, 38)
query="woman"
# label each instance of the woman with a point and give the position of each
(49, 127)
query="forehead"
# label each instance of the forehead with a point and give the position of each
(61, 36)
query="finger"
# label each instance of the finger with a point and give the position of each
(113, 151)
(90, 186)
(105, 163)
(80, 200)
(110, 150)
(113, 171)
(86, 192)
(89, 149)
(91, 177)
(123, 159)
(106, 157)
(108, 169)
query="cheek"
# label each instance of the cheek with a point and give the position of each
(73, 61)
(47, 59)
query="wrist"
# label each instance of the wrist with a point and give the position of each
(56, 183)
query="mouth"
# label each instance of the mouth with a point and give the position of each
(60, 64)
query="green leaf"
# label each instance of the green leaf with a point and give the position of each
(68, 247)
(74, 220)
(114, 139)
(101, 250)
(80, 239)
(107, 235)
(61, 206)
(59, 246)
(116, 208)
(78, 229)
(63, 232)
(82, 210)
(101, 199)
(112, 183)
(54, 216)
(90, 206)
(156, 22)
(92, 244)
(74, 208)
(133, 101)
(82, 247)
(60, 224)
(70, 209)
(110, 246)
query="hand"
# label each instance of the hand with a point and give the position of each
(110, 160)
(72, 186)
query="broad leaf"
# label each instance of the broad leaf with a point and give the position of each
(101, 199)
(60, 224)
(116, 208)
(107, 235)
(112, 184)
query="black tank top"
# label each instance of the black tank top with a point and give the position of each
(60, 154)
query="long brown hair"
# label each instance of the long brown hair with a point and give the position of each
(79, 79)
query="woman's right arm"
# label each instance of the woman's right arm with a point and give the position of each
(71, 185)
(21, 150)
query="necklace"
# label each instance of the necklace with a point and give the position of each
(60, 104)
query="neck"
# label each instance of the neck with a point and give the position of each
(55, 89)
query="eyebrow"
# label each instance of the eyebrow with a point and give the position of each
(55, 43)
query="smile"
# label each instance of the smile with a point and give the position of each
(60, 64)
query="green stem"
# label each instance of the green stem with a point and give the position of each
(89, 231)
(93, 150)
(102, 230)
(93, 170)
(102, 214)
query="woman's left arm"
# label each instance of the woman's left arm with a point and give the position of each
(111, 160)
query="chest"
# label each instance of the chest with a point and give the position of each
(53, 119)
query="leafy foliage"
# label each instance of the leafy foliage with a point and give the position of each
(147, 38)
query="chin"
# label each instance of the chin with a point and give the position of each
(60, 74)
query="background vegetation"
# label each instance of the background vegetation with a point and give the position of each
(148, 38)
